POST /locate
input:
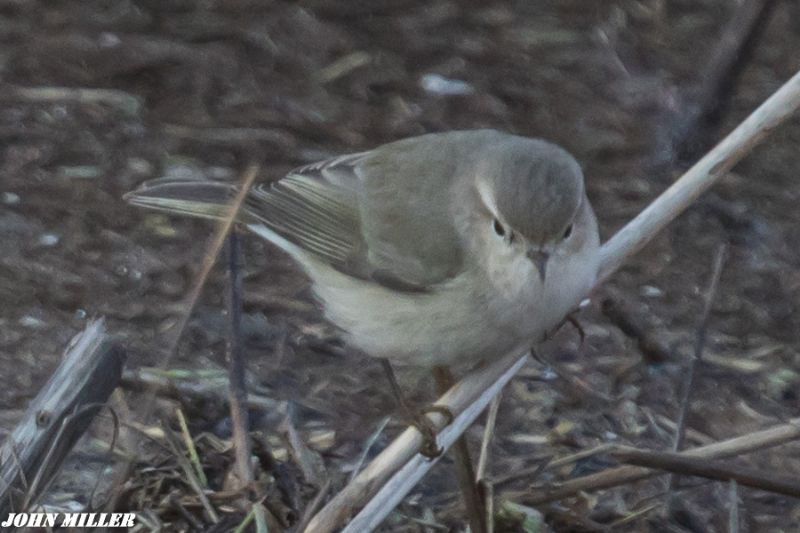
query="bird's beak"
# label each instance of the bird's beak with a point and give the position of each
(539, 258)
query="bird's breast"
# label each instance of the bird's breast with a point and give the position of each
(477, 315)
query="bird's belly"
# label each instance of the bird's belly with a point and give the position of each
(459, 323)
(453, 325)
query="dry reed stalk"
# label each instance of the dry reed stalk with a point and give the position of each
(758, 440)
(684, 465)
(695, 181)
(733, 512)
(387, 479)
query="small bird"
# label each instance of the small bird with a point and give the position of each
(445, 249)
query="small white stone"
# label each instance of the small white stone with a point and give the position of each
(651, 292)
(49, 239)
(10, 198)
(108, 40)
(139, 166)
(434, 83)
(59, 112)
(32, 322)
(548, 374)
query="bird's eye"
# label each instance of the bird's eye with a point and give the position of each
(567, 232)
(498, 228)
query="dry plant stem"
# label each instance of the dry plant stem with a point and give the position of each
(236, 368)
(471, 498)
(711, 469)
(488, 433)
(248, 519)
(193, 522)
(547, 463)
(635, 515)
(185, 392)
(260, 514)
(485, 487)
(743, 444)
(226, 136)
(310, 463)
(316, 503)
(733, 512)
(692, 434)
(731, 55)
(222, 231)
(397, 392)
(189, 474)
(386, 480)
(579, 456)
(487, 494)
(699, 346)
(715, 164)
(113, 97)
(367, 447)
(191, 448)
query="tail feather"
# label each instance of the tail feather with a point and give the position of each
(203, 199)
(309, 215)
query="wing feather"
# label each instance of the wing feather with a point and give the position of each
(360, 213)
(312, 214)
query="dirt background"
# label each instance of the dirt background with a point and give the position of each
(202, 88)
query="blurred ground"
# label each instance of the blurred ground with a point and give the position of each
(205, 87)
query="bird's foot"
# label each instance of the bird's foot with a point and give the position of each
(418, 418)
(573, 320)
(430, 448)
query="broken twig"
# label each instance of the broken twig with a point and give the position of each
(58, 416)
(750, 442)
(711, 469)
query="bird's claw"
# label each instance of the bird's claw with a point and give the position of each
(430, 448)
(573, 320)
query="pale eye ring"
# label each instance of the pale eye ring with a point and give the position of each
(567, 232)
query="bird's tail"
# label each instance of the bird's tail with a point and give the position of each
(203, 199)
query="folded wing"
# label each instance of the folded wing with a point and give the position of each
(316, 208)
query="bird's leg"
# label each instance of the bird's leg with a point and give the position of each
(417, 418)
(573, 320)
